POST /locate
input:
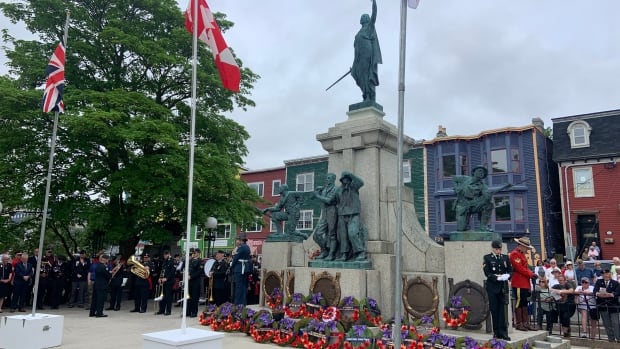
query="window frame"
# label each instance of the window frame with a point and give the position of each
(305, 183)
(304, 223)
(573, 128)
(260, 188)
(227, 230)
(505, 198)
(583, 190)
(406, 171)
(505, 163)
(444, 174)
(273, 187)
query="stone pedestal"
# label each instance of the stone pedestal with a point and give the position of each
(31, 332)
(357, 283)
(191, 338)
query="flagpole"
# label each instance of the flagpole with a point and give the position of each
(47, 187)
(190, 186)
(399, 177)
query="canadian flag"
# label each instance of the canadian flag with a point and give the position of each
(209, 33)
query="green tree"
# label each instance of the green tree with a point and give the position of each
(121, 164)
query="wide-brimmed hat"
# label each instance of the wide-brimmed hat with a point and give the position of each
(486, 172)
(524, 241)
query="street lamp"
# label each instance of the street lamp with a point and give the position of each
(208, 238)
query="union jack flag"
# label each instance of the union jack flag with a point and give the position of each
(55, 74)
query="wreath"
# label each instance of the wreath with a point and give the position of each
(457, 321)
(330, 314)
(296, 312)
(262, 335)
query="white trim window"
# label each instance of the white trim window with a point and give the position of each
(305, 221)
(253, 227)
(275, 187)
(305, 182)
(583, 182)
(223, 231)
(272, 226)
(579, 134)
(259, 187)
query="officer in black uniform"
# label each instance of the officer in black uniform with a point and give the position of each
(59, 276)
(219, 273)
(167, 281)
(494, 265)
(195, 271)
(44, 292)
(141, 288)
(117, 273)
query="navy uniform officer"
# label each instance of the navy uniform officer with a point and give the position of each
(494, 265)
(195, 272)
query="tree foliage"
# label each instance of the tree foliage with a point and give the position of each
(122, 156)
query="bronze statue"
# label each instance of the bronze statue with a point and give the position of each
(286, 210)
(351, 233)
(325, 231)
(473, 197)
(367, 56)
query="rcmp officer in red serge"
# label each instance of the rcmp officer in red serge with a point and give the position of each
(521, 286)
(496, 264)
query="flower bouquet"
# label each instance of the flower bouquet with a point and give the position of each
(274, 301)
(370, 314)
(407, 332)
(315, 303)
(206, 317)
(455, 315)
(359, 336)
(263, 326)
(425, 325)
(228, 317)
(285, 334)
(296, 308)
(330, 332)
(350, 311)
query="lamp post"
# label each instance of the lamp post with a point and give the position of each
(209, 236)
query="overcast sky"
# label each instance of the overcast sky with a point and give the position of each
(471, 65)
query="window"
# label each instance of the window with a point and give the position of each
(502, 208)
(499, 163)
(463, 164)
(258, 186)
(272, 226)
(519, 208)
(253, 227)
(449, 165)
(305, 220)
(579, 134)
(449, 212)
(515, 160)
(275, 187)
(305, 182)
(406, 171)
(223, 231)
(583, 182)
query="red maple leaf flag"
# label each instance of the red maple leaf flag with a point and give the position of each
(210, 34)
(55, 83)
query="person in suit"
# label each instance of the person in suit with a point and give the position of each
(117, 271)
(100, 287)
(194, 273)
(21, 284)
(607, 292)
(494, 265)
(521, 285)
(167, 281)
(241, 267)
(141, 288)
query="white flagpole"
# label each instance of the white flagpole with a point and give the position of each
(190, 186)
(396, 336)
(47, 186)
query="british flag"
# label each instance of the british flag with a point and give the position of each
(55, 74)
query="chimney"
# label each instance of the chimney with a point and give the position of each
(539, 124)
(441, 132)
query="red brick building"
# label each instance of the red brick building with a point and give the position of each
(266, 183)
(586, 149)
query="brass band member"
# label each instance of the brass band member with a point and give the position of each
(117, 271)
(60, 276)
(141, 284)
(219, 273)
(45, 283)
(167, 281)
(194, 272)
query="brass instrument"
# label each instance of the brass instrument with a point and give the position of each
(115, 270)
(211, 288)
(137, 268)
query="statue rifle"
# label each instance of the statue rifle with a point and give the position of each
(337, 81)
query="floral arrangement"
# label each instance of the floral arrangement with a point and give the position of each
(349, 302)
(263, 319)
(359, 336)
(296, 298)
(427, 324)
(330, 314)
(262, 335)
(274, 300)
(316, 299)
(455, 315)
(229, 317)
(370, 314)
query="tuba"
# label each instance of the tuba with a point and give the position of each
(137, 268)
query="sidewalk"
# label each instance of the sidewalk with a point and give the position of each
(122, 329)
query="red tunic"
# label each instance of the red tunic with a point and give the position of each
(521, 273)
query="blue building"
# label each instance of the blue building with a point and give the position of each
(521, 156)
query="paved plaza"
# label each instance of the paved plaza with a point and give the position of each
(122, 329)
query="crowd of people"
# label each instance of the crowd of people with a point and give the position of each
(89, 282)
(552, 294)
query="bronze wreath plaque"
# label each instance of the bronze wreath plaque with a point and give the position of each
(420, 297)
(476, 298)
(271, 280)
(328, 285)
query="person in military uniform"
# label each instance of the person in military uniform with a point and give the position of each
(117, 271)
(521, 284)
(241, 267)
(59, 276)
(219, 273)
(100, 287)
(141, 288)
(45, 283)
(496, 267)
(167, 281)
(195, 272)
